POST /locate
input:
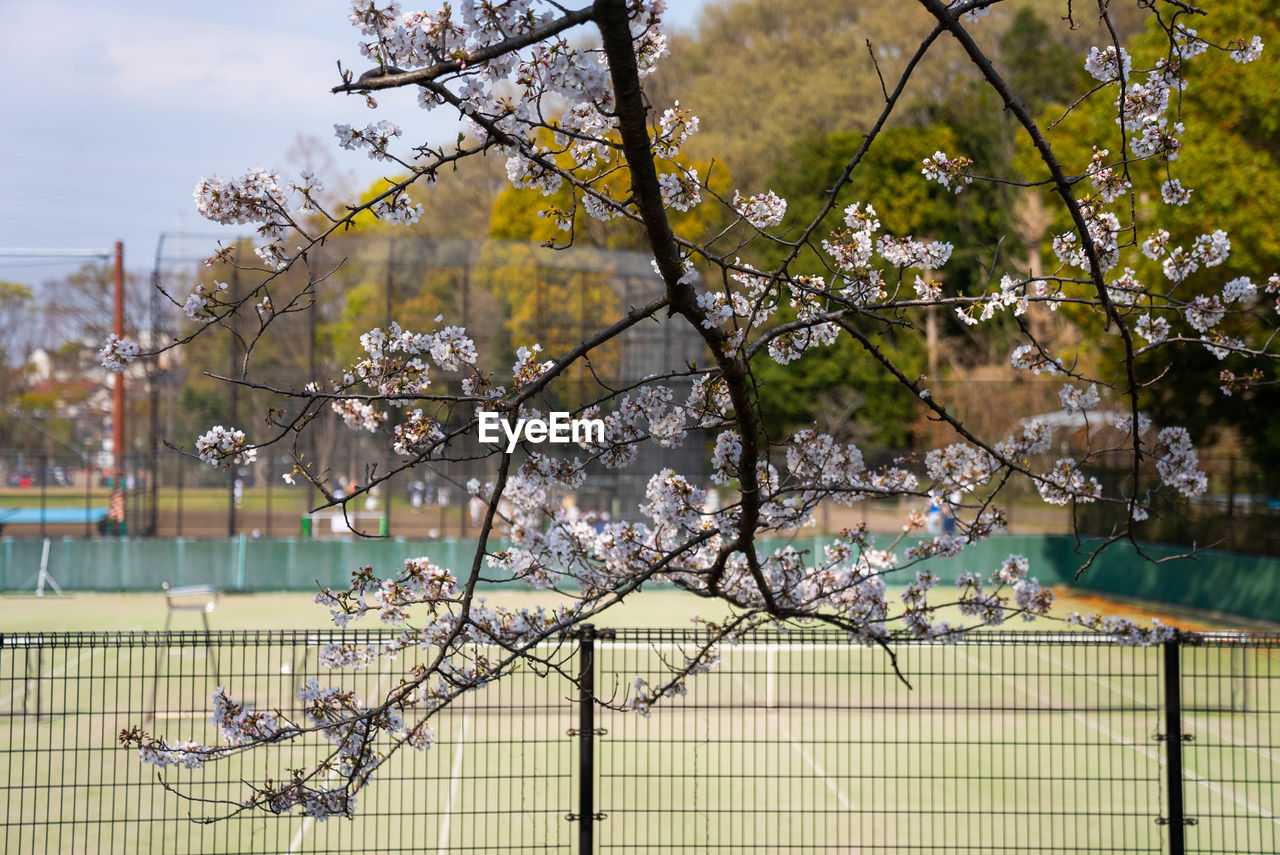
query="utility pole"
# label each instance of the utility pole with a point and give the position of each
(931, 342)
(233, 357)
(153, 395)
(931, 337)
(389, 293)
(116, 512)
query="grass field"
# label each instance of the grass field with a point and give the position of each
(84, 612)
(1038, 745)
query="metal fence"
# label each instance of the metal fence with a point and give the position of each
(796, 742)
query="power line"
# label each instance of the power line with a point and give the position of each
(42, 265)
(23, 252)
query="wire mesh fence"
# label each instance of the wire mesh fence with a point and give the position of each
(1231, 727)
(805, 744)
(794, 742)
(497, 778)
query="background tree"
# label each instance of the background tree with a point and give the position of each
(16, 343)
(1229, 162)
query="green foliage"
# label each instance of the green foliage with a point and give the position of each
(825, 87)
(1231, 160)
(764, 73)
(844, 391)
(889, 179)
(528, 215)
(201, 404)
(555, 308)
(515, 215)
(360, 311)
(1038, 65)
(458, 206)
(14, 296)
(15, 308)
(559, 308)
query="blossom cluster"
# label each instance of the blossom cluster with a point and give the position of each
(198, 302)
(675, 127)
(117, 352)
(1065, 483)
(1178, 465)
(395, 366)
(255, 197)
(763, 210)
(1124, 630)
(416, 434)
(953, 173)
(376, 137)
(225, 447)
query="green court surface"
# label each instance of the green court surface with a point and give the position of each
(85, 612)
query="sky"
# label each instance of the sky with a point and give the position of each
(114, 110)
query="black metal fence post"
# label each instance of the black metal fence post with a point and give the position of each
(586, 739)
(1176, 820)
(586, 732)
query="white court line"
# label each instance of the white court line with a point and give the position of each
(1208, 726)
(4, 702)
(442, 842)
(1136, 746)
(307, 822)
(801, 750)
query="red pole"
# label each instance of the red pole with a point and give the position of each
(117, 403)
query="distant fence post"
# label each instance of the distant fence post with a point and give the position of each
(1173, 737)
